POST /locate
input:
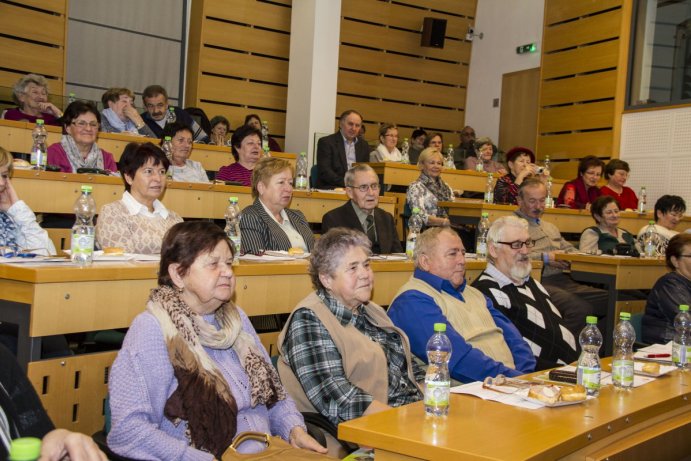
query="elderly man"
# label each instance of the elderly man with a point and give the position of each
(361, 212)
(507, 283)
(156, 116)
(575, 301)
(336, 153)
(466, 148)
(485, 343)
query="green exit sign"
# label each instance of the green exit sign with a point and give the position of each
(529, 48)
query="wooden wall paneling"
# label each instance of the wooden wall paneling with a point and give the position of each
(576, 117)
(255, 13)
(32, 25)
(588, 87)
(8, 79)
(236, 64)
(378, 86)
(462, 7)
(56, 6)
(588, 30)
(246, 38)
(622, 75)
(29, 57)
(576, 145)
(236, 116)
(579, 60)
(194, 50)
(518, 115)
(239, 91)
(402, 66)
(405, 114)
(563, 10)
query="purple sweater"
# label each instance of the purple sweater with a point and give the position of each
(142, 380)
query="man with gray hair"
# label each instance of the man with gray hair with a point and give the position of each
(485, 343)
(507, 283)
(362, 213)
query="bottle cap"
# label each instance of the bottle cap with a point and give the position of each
(684, 308)
(416, 210)
(624, 315)
(485, 214)
(405, 139)
(171, 109)
(167, 138)
(39, 121)
(232, 199)
(303, 154)
(87, 188)
(591, 320)
(651, 222)
(25, 448)
(439, 327)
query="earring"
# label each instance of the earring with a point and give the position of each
(179, 289)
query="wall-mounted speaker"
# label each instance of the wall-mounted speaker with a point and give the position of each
(433, 32)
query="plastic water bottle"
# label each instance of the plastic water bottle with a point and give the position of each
(482, 230)
(405, 148)
(167, 147)
(547, 163)
(622, 360)
(301, 182)
(83, 231)
(650, 241)
(25, 449)
(414, 228)
(479, 167)
(233, 225)
(642, 200)
(265, 137)
(589, 367)
(681, 346)
(449, 163)
(71, 98)
(549, 201)
(39, 151)
(170, 116)
(489, 189)
(437, 379)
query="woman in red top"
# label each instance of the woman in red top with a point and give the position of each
(582, 191)
(617, 172)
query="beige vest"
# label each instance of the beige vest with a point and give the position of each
(364, 361)
(471, 319)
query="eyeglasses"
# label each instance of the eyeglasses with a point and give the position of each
(685, 256)
(518, 244)
(391, 136)
(365, 187)
(82, 124)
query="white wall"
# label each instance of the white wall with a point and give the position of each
(505, 24)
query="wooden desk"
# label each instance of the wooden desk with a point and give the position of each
(618, 274)
(650, 422)
(16, 137)
(62, 299)
(50, 192)
(567, 220)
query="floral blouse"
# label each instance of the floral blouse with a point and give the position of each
(425, 194)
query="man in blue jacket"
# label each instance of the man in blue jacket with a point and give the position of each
(485, 343)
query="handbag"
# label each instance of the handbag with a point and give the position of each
(276, 449)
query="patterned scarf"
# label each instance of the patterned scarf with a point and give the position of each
(93, 160)
(203, 397)
(8, 230)
(117, 123)
(440, 189)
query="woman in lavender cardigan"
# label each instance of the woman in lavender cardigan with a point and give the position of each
(192, 372)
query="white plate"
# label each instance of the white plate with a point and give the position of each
(523, 393)
(285, 254)
(664, 369)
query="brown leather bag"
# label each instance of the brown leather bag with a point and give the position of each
(276, 449)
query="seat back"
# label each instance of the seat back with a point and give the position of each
(314, 174)
(200, 117)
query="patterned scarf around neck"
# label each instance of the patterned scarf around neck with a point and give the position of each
(203, 397)
(94, 159)
(8, 230)
(440, 190)
(117, 123)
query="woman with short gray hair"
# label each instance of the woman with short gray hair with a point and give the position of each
(31, 95)
(341, 356)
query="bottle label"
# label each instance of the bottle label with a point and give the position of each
(681, 354)
(410, 247)
(589, 378)
(437, 393)
(82, 244)
(481, 249)
(301, 182)
(236, 239)
(622, 372)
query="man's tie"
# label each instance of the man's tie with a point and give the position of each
(371, 234)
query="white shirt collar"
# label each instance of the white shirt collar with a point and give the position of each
(134, 207)
(284, 215)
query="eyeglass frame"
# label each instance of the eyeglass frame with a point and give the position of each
(83, 124)
(530, 243)
(374, 187)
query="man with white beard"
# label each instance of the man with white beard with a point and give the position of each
(508, 284)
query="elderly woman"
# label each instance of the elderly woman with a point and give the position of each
(616, 174)
(341, 356)
(435, 141)
(78, 148)
(606, 235)
(669, 211)
(521, 162)
(246, 146)
(386, 150)
(220, 126)
(181, 167)
(580, 193)
(120, 115)
(192, 372)
(268, 224)
(30, 94)
(485, 151)
(255, 122)
(670, 291)
(138, 222)
(18, 227)
(429, 189)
